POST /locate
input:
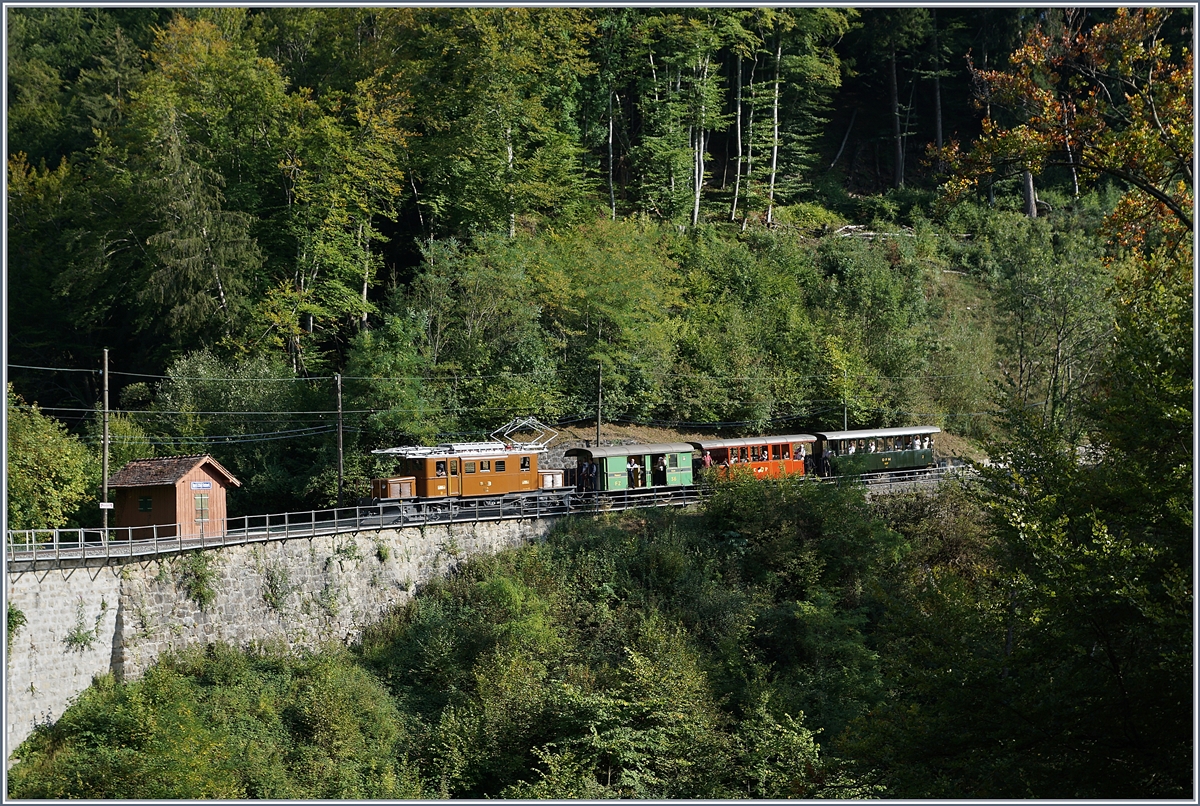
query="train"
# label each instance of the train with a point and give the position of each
(505, 467)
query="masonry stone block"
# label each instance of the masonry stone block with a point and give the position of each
(83, 622)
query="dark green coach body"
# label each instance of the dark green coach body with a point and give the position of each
(893, 451)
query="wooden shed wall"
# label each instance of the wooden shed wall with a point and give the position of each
(162, 508)
(185, 503)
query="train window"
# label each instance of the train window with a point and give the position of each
(524, 464)
(672, 460)
(485, 465)
(468, 467)
(499, 465)
(742, 454)
(453, 467)
(775, 454)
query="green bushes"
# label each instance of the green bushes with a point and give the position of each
(637, 656)
(198, 577)
(792, 640)
(224, 724)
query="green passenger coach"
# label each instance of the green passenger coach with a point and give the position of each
(879, 450)
(630, 467)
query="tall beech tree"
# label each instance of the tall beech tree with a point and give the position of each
(496, 89)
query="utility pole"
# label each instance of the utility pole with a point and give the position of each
(339, 402)
(845, 383)
(599, 382)
(599, 397)
(104, 461)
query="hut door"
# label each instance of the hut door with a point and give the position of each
(454, 488)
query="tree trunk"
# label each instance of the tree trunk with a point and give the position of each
(702, 80)
(1070, 156)
(737, 179)
(750, 143)
(366, 250)
(774, 133)
(845, 139)
(612, 194)
(1030, 194)
(512, 202)
(912, 88)
(898, 150)
(937, 96)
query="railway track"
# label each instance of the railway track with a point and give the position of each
(48, 548)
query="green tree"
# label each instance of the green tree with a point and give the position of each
(47, 468)
(497, 89)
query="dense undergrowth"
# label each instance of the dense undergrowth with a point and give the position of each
(792, 640)
(651, 654)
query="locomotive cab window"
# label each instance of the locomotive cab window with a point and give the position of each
(453, 467)
(524, 464)
(468, 467)
(485, 465)
(499, 465)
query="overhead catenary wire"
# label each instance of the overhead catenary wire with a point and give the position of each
(445, 375)
(808, 410)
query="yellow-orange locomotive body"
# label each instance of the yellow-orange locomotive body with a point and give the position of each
(456, 470)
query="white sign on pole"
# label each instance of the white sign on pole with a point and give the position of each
(106, 505)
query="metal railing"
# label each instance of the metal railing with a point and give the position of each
(25, 546)
(59, 545)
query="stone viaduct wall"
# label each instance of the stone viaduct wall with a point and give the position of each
(118, 618)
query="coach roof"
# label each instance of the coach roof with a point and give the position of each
(631, 450)
(907, 431)
(711, 444)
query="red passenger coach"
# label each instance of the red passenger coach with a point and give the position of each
(767, 457)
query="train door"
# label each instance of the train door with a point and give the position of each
(658, 470)
(616, 474)
(455, 486)
(435, 473)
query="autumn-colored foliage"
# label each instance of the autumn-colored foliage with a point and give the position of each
(1114, 99)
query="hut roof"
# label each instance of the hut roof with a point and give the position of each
(166, 470)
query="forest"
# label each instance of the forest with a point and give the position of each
(742, 220)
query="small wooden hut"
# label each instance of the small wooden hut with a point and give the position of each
(182, 495)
